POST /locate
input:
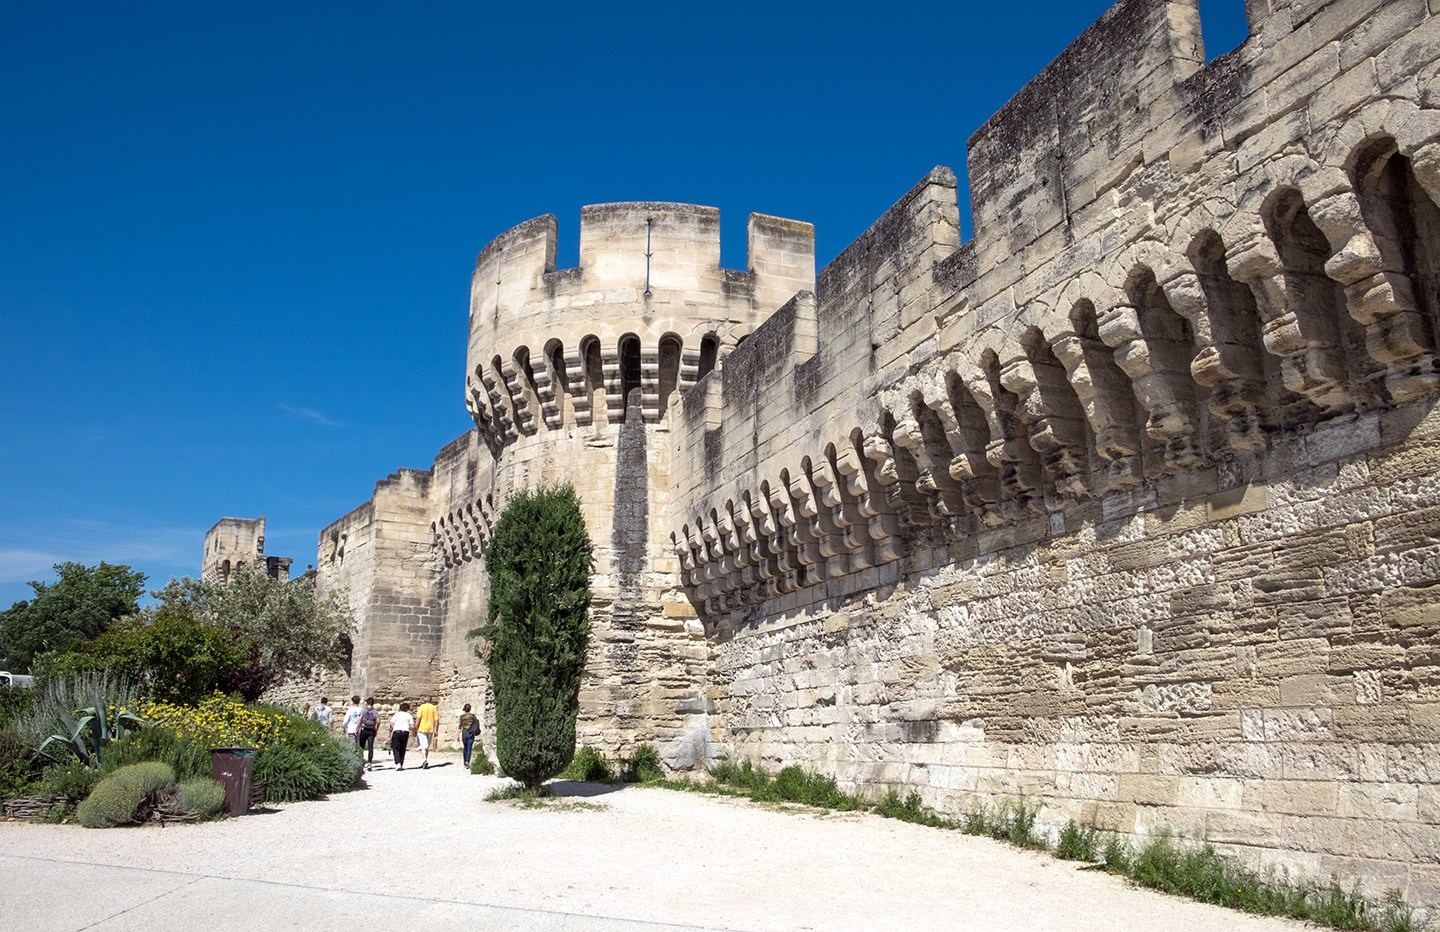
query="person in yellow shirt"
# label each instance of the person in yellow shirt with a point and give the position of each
(427, 724)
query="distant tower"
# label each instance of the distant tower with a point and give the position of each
(233, 541)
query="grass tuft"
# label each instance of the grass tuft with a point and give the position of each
(1078, 842)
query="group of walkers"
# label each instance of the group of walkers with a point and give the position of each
(362, 724)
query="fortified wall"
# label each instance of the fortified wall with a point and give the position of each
(1129, 504)
(1134, 508)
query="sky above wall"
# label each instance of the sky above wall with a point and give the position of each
(236, 240)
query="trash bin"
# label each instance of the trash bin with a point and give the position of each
(231, 768)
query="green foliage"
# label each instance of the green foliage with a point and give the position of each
(60, 695)
(119, 798)
(643, 765)
(15, 702)
(172, 655)
(305, 762)
(1077, 842)
(539, 561)
(909, 809)
(293, 630)
(201, 797)
(72, 779)
(1117, 855)
(588, 765)
(87, 732)
(17, 764)
(76, 607)
(792, 785)
(187, 758)
(480, 763)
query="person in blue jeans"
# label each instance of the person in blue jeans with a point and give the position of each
(469, 728)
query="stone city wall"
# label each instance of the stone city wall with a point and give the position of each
(1130, 504)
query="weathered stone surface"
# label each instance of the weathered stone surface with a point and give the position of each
(1128, 504)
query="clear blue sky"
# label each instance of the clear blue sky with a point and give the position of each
(236, 239)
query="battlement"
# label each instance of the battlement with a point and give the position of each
(649, 308)
(671, 249)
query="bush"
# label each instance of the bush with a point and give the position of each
(72, 780)
(588, 765)
(173, 655)
(1077, 842)
(58, 697)
(17, 765)
(539, 561)
(189, 759)
(217, 721)
(643, 765)
(122, 797)
(480, 763)
(201, 797)
(15, 701)
(303, 761)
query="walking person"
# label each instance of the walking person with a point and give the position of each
(323, 714)
(469, 728)
(352, 719)
(428, 727)
(365, 736)
(401, 724)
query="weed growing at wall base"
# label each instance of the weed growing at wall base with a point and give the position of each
(1161, 863)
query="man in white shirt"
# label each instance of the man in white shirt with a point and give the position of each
(352, 719)
(323, 714)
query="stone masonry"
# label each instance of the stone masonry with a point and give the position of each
(1129, 504)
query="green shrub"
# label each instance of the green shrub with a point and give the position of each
(17, 765)
(187, 758)
(173, 655)
(743, 776)
(909, 809)
(15, 701)
(480, 763)
(58, 696)
(72, 780)
(1077, 842)
(643, 765)
(119, 798)
(201, 797)
(588, 765)
(537, 621)
(304, 761)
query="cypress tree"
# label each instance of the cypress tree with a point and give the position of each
(538, 623)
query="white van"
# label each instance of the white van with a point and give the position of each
(17, 679)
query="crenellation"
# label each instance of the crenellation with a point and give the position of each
(1128, 503)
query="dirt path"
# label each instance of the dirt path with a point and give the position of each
(423, 849)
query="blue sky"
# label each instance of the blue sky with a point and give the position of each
(235, 240)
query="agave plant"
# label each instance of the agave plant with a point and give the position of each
(87, 731)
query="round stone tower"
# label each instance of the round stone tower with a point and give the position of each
(571, 377)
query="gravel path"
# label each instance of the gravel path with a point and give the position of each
(422, 849)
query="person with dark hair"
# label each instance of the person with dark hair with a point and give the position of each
(469, 728)
(322, 713)
(352, 719)
(401, 724)
(365, 736)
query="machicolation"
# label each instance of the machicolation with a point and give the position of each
(1129, 504)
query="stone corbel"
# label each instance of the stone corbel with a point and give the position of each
(1380, 297)
(1311, 362)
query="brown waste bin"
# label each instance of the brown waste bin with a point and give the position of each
(231, 768)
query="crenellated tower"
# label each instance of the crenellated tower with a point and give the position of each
(570, 376)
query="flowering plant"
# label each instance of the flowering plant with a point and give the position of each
(217, 721)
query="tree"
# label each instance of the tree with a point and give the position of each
(173, 656)
(294, 630)
(76, 607)
(538, 623)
